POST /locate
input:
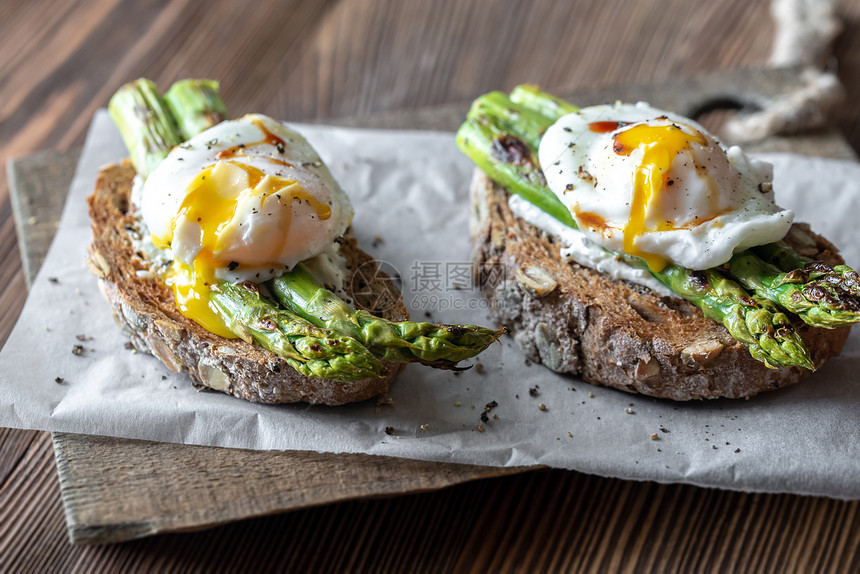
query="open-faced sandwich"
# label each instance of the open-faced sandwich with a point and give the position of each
(637, 252)
(224, 249)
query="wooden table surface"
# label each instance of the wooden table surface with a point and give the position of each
(306, 60)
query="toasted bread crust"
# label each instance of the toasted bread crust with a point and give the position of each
(617, 334)
(144, 309)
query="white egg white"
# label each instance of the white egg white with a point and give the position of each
(264, 234)
(716, 201)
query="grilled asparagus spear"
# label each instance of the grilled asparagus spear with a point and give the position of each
(754, 321)
(196, 105)
(817, 301)
(396, 341)
(145, 123)
(780, 254)
(311, 350)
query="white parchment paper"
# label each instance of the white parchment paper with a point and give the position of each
(409, 191)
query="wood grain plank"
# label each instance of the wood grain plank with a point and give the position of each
(116, 489)
(14, 290)
(41, 184)
(14, 444)
(31, 517)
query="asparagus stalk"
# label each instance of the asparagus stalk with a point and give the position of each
(196, 105)
(842, 278)
(309, 349)
(529, 124)
(817, 301)
(782, 255)
(145, 123)
(754, 321)
(766, 331)
(440, 346)
(509, 161)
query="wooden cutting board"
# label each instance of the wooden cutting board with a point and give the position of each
(118, 489)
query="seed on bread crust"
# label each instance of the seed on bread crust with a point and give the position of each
(647, 370)
(536, 280)
(702, 353)
(98, 265)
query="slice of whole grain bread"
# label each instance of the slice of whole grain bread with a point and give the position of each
(618, 334)
(145, 310)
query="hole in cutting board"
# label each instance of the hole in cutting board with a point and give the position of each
(713, 114)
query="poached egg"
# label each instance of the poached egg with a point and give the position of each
(659, 186)
(245, 200)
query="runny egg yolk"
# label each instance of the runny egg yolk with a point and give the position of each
(661, 143)
(212, 201)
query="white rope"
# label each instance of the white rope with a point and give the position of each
(805, 30)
